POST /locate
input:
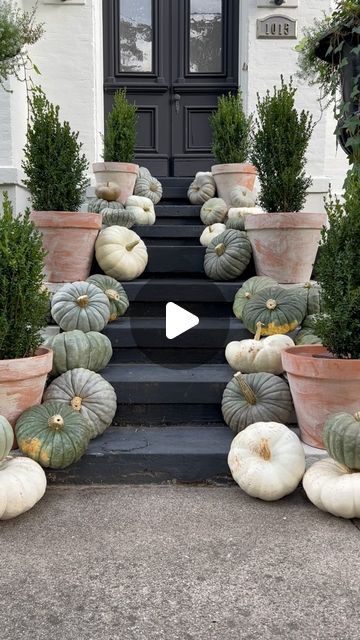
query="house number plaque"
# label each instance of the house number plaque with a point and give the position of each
(277, 28)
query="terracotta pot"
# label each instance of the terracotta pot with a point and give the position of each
(285, 244)
(228, 176)
(124, 174)
(69, 238)
(320, 386)
(22, 383)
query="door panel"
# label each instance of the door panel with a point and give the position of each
(175, 57)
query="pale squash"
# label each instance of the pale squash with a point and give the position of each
(211, 232)
(80, 305)
(254, 356)
(228, 255)
(341, 437)
(22, 485)
(278, 310)
(248, 290)
(267, 460)
(334, 488)
(236, 217)
(142, 209)
(201, 189)
(115, 292)
(6, 437)
(214, 210)
(75, 349)
(121, 253)
(149, 187)
(242, 197)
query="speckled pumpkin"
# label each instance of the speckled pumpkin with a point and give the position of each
(279, 311)
(214, 210)
(119, 302)
(342, 438)
(256, 397)
(80, 305)
(89, 394)
(228, 255)
(96, 205)
(248, 290)
(53, 434)
(122, 218)
(75, 349)
(6, 437)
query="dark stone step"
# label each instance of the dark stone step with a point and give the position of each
(177, 211)
(135, 355)
(157, 454)
(175, 187)
(203, 309)
(168, 414)
(161, 231)
(173, 259)
(187, 289)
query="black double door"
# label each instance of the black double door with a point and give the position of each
(175, 57)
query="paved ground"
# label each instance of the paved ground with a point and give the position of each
(177, 563)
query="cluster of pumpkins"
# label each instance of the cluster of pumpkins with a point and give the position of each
(79, 404)
(228, 249)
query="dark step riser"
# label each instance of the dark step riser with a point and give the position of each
(176, 210)
(167, 414)
(168, 356)
(201, 309)
(216, 338)
(181, 290)
(161, 230)
(172, 392)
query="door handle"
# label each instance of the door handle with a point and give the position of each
(177, 98)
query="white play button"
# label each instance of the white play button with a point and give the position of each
(178, 320)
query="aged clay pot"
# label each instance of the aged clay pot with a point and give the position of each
(285, 244)
(22, 383)
(228, 176)
(320, 385)
(69, 239)
(124, 174)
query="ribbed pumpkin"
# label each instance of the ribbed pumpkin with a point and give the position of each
(247, 291)
(236, 217)
(121, 218)
(6, 437)
(75, 349)
(201, 189)
(147, 186)
(211, 232)
(119, 302)
(121, 253)
(142, 209)
(89, 394)
(279, 311)
(255, 355)
(96, 205)
(307, 334)
(22, 485)
(342, 438)
(228, 255)
(332, 487)
(312, 294)
(80, 305)
(53, 434)
(214, 210)
(255, 397)
(242, 197)
(144, 172)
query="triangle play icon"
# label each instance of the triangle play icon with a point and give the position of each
(178, 320)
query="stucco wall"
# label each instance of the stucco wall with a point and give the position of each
(70, 59)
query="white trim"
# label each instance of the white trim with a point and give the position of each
(243, 51)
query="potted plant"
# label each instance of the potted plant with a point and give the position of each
(119, 147)
(231, 130)
(326, 379)
(18, 30)
(24, 364)
(284, 241)
(56, 173)
(329, 57)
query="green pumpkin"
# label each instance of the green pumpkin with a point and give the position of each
(312, 293)
(228, 255)
(96, 205)
(235, 223)
(342, 439)
(278, 310)
(120, 217)
(119, 302)
(213, 210)
(89, 394)
(53, 434)
(242, 197)
(80, 305)
(248, 290)
(307, 334)
(6, 437)
(256, 397)
(75, 349)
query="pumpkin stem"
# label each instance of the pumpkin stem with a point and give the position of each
(112, 294)
(56, 422)
(76, 403)
(307, 285)
(271, 304)
(248, 295)
(210, 228)
(83, 301)
(131, 245)
(220, 249)
(264, 451)
(245, 389)
(258, 331)
(357, 416)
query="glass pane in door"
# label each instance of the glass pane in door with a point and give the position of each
(136, 36)
(206, 39)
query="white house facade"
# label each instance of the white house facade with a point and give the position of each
(175, 57)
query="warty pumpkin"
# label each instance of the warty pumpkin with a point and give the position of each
(80, 305)
(53, 434)
(255, 397)
(214, 210)
(6, 437)
(334, 488)
(248, 290)
(76, 349)
(267, 460)
(115, 292)
(228, 255)
(121, 218)
(278, 310)
(89, 394)
(121, 253)
(142, 209)
(22, 485)
(342, 438)
(211, 232)
(254, 356)
(201, 189)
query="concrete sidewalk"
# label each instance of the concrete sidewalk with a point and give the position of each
(177, 563)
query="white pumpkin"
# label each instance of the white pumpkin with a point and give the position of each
(214, 210)
(211, 232)
(267, 460)
(202, 188)
(22, 485)
(255, 355)
(142, 209)
(148, 187)
(242, 197)
(121, 253)
(332, 487)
